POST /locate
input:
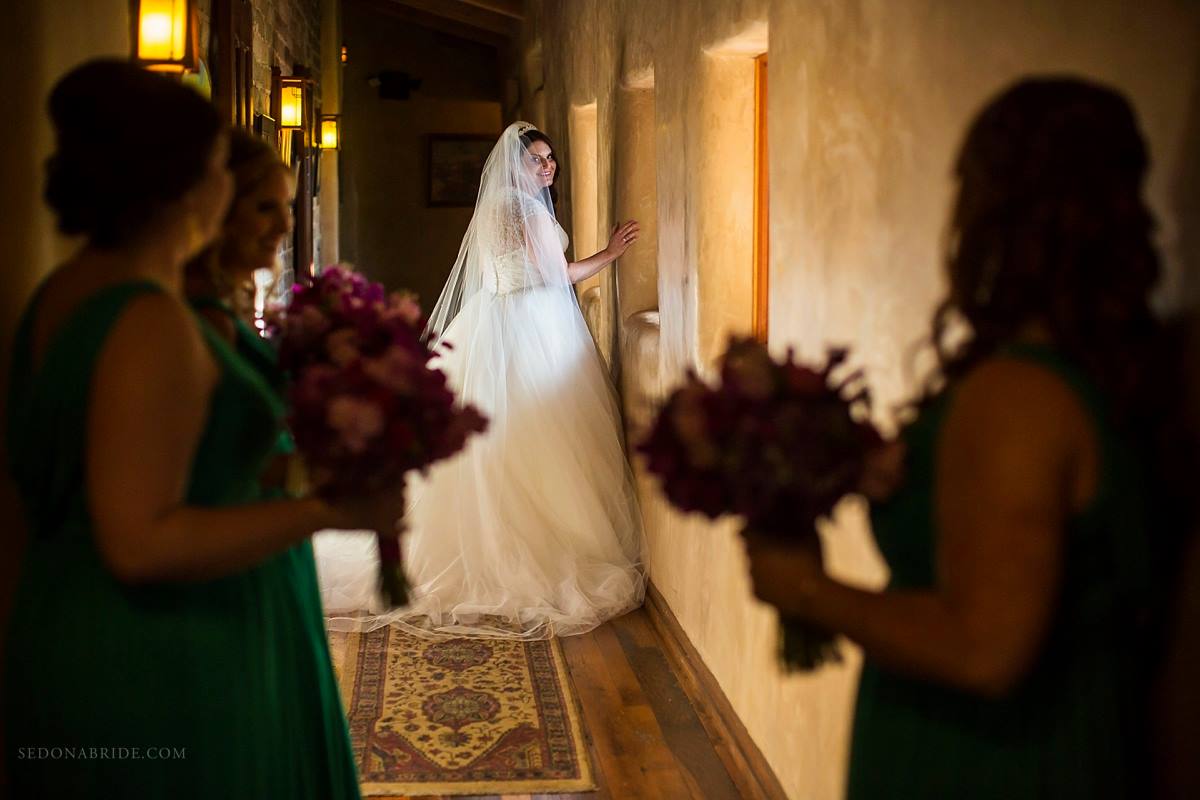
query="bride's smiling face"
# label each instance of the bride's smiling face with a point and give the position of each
(540, 163)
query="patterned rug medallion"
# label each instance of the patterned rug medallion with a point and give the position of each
(460, 716)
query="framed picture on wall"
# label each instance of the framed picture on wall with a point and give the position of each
(455, 164)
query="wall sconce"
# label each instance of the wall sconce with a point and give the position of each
(291, 103)
(331, 132)
(345, 54)
(163, 34)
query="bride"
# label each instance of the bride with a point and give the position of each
(533, 530)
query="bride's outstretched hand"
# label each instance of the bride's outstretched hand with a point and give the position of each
(623, 235)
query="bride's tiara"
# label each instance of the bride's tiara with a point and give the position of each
(525, 128)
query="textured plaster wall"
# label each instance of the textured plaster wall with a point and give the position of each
(38, 43)
(41, 41)
(723, 180)
(637, 197)
(868, 101)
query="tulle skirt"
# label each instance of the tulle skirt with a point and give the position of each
(533, 530)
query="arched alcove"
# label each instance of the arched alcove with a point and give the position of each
(728, 174)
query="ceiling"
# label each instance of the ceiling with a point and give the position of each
(492, 22)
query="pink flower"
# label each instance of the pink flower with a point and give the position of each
(342, 346)
(312, 318)
(403, 306)
(366, 405)
(307, 326)
(393, 369)
(776, 442)
(356, 421)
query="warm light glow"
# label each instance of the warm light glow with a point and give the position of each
(331, 134)
(762, 227)
(162, 31)
(291, 105)
(156, 35)
(345, 54)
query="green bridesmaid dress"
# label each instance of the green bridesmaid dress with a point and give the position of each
(262, 356)
(1070, 729)
(221, 688)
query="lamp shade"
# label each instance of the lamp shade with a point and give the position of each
(163, 36)
(291, 103)
(331, 132)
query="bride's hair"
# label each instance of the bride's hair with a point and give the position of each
(513, 241)
(534, 135)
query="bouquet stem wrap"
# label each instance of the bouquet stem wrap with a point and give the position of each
(393, 584)
(802, 647)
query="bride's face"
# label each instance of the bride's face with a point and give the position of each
(540, 164)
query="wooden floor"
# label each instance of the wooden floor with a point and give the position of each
(645, 739)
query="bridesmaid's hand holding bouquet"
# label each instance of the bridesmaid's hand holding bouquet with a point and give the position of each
(774, 442)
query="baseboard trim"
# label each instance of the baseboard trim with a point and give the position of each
(743, 760)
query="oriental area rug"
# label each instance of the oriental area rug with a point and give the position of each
(460, 716)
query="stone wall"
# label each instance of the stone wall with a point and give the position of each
(287, 34)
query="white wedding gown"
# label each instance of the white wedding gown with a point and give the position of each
(533, 530)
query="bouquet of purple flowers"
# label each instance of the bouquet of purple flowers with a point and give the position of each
(365, 406)
(777, 443)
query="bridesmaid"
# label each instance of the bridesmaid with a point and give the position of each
(153, 649)
(1005, 659)
(220, 281)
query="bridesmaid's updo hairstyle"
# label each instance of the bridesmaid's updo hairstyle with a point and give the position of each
(534, 135)
(128, 143)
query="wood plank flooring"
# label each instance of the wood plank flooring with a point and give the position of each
(645, 738)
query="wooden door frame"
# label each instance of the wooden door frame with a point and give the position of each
(762, 239)
(232, 57)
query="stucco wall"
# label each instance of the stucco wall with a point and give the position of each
(38, 43)
(868, 101)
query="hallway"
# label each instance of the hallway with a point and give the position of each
(645, 737)
(794, 167)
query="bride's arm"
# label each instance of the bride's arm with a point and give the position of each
(622, 237)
